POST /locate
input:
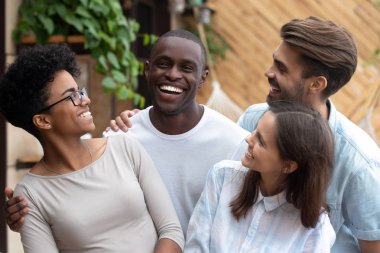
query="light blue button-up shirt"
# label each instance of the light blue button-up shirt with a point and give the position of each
(271, 226)
(354, 190)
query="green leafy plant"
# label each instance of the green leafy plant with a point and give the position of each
(108, 37)
(218, 45)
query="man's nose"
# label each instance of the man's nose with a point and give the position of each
(173, 73)
(269, 72)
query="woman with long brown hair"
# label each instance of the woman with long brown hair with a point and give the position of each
(274, 200)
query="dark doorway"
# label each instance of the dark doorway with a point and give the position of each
(154, 18)
(3, 138)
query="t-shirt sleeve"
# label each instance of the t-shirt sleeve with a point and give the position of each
(36, 235)
(156, 196)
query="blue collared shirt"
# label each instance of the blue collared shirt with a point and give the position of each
(354, 189)
(272, 225)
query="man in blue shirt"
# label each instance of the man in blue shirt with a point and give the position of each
(314, 60)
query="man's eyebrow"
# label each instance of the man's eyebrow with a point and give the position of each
(190, 62)
(160, 57)
(184, 60)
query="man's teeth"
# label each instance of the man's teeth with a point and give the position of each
(171, 89)
(85, 114)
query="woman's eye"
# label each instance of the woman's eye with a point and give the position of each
(260, 141)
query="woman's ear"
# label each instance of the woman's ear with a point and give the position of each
(42, 121)
(289, 167)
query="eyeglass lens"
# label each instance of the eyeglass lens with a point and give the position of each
(77, 96)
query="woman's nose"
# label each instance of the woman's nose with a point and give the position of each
(86, 100)
(249, 139)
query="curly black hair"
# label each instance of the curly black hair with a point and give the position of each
(24, 86)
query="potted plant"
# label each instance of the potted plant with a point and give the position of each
(108, 36)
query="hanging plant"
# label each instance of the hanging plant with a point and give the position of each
(108, 36)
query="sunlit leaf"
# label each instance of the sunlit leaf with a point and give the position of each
(118, 76)
(113, 60)
(108, 83)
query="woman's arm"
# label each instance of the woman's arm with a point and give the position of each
(165, 245)
(36, 235)
(369, 246)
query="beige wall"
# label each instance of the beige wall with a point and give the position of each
(19, 143)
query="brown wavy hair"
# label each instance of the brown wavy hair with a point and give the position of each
(303, 136)
(326, 50)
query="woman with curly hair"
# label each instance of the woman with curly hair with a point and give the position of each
(85, 195)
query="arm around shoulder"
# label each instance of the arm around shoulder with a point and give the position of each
(165, 245)
(369, 246)
(16, 210)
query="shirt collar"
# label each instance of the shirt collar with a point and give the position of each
(272, 202)
(332, 115)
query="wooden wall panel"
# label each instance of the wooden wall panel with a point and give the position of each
(251, 27)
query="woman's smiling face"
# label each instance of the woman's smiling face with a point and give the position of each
(262, 154)
(65, 117)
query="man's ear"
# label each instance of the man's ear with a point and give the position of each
(146, 69)
(42, 121)
(203, 78)
(289, 167)
(319, 83)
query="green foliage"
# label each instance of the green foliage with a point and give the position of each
(375, 57)
(218, 46)
(108, 37)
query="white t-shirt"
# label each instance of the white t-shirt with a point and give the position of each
(184, 160)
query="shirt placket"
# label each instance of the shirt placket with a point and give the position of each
(252, 230)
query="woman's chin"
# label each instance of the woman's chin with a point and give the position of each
(244, 162)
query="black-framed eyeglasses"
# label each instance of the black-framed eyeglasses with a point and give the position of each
(76, 97)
